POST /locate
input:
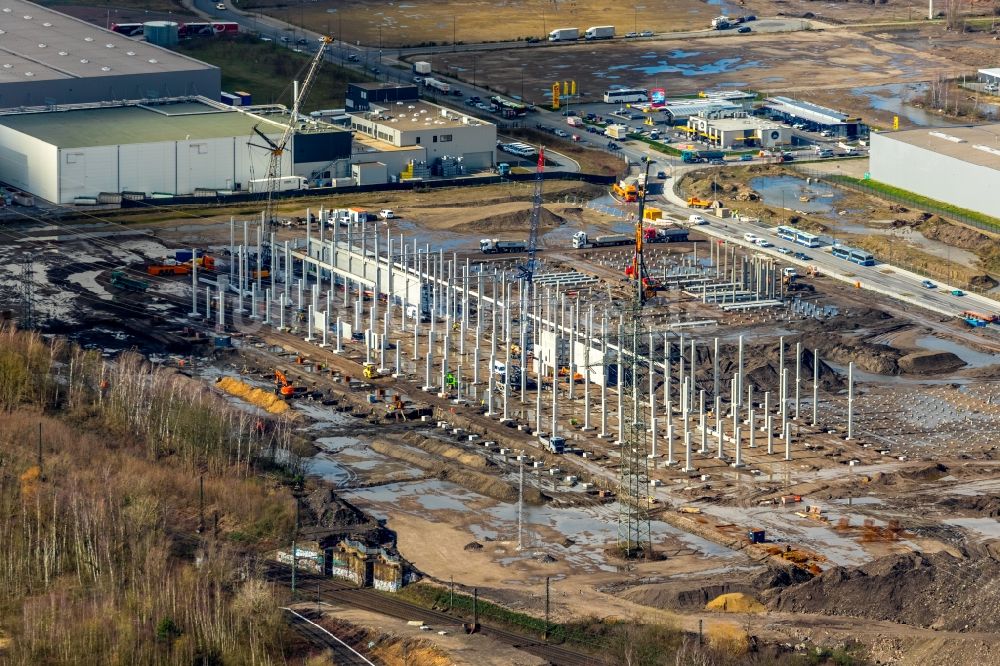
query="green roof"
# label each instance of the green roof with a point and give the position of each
(109, 126)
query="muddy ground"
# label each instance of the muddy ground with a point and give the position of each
(770, 63)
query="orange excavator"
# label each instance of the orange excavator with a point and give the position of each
(283, 387)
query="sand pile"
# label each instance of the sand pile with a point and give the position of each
(255, 396)
(735, 602)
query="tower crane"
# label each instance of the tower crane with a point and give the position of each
(276, 149)
(527, 271)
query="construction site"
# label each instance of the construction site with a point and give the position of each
(658, 425)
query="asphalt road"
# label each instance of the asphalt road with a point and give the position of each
(882, 278)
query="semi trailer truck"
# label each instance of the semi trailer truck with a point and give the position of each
(497, 246)
(581, 240)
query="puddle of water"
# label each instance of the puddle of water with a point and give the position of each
(785, 191)
(988, 528)
(972, 358)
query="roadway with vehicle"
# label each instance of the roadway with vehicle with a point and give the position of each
(882, 278)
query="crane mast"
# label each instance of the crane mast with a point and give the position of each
(276, 149)
(527, 271)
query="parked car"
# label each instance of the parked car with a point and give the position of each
(717, 162)
(220, 5)
(631, 34)
(750, 18)
(662, 175)
(646, 33)
(301, 40)
(744, 29)
(456, 92)
(353, 57)
(562, 133)
(928, 284)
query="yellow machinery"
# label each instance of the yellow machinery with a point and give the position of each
(370, 372)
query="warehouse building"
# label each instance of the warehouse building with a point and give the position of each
(738, 132)
(50, 58)
(956, 165)
(441, 133)
(814, 116)
(171, 147)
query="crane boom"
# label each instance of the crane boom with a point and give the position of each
(277, 148)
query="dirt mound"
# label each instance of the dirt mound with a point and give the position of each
(329, 511)
(878, 359)
(937, 229)
(446, 450)
(984, 282)
(937, 591)
(680, 596)
(449, 470)
(512, 221)
(929, 363)
(735, 602)
(982, 505)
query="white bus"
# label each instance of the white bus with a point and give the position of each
(626, 95)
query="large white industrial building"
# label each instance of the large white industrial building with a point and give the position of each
(957, 165)
(169, 147)
(48, 58)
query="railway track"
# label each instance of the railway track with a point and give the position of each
(342, 655)
(366, 599)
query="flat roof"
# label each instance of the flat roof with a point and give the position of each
(806, 110)
(693, 108)
(39, 44)
(742, 123)
(416, 115)
(377, 145)
(376, 85)
(991, 71)
(975, 144)
(112, 125)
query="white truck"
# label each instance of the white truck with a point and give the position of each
(281, 184)
(421, 67)
(599, 32)
(437, 85)
(497, 246)
(581, 240)
(721, 23)
(564, 35)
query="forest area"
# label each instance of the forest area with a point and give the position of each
(108, 556)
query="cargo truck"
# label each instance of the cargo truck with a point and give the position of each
(665, 235)
(421, 67)
(581, 240)
(693, 156)
(616, 131)
(564, 35)
(554, 443)
(497, 246)
(599, 32)
(437, 85)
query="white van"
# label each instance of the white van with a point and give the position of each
(696, 219)
(750, 238)
(386, 214)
